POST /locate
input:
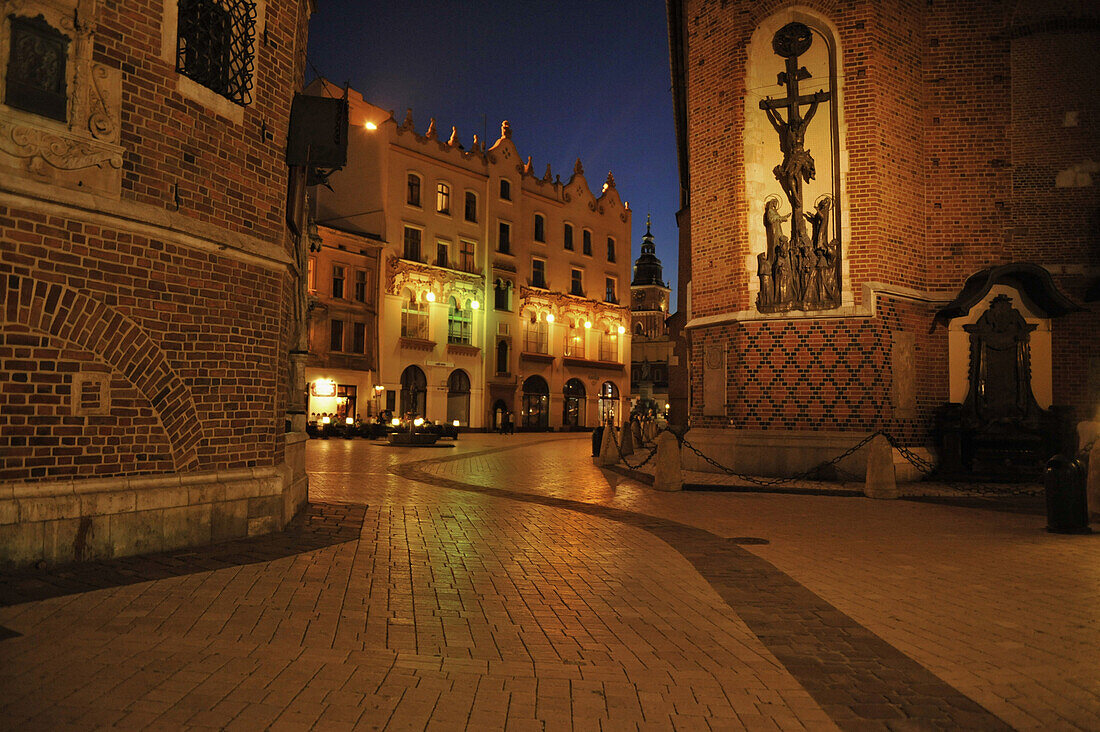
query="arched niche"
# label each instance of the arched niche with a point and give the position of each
(824, 138)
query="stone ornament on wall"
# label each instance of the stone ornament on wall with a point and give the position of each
(799, 270)
(78, 148)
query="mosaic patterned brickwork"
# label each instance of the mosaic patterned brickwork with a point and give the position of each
(826, 374)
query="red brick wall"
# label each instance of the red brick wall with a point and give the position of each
(957, 128)
(199, 336)
(230, 175)
(826, 374)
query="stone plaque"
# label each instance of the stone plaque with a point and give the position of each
(714, 381)
(903, 390)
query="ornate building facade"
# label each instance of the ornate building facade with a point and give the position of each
(150, 275)
(500, 290)
(891, 170)
(650, 346)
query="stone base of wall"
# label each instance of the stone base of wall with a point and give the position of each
(79, 520)
(783, 453)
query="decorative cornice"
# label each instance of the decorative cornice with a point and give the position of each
(64, 152)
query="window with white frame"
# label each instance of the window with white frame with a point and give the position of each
(609, 344)
(538, 272)
(460, 324)
(467, 253)
(536, 335)
(414, 316)
(574, 339)
(442, 198)
(576, 282)
(411, 244)
(337, 281)
(470, 212)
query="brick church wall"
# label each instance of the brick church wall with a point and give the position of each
(144, 335)
(959, 139)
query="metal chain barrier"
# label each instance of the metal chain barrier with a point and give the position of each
(925, 467)
(622, 456)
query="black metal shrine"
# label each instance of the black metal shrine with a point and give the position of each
(800, 271)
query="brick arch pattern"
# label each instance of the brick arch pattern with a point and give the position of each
(95, 326)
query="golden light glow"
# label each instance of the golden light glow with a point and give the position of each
(430, 297)
(621, 330)
(455, 423)
(324, 388)
(395, 421)
(588, 324)
(370, 126)
(349, 420)
(378, 387)
(549, 317)
(325, 420)
(418, 421)
(475, 304)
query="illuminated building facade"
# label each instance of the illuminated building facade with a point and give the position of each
(500, 291)
(342, 365)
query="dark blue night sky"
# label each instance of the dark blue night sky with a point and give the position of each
(575, 79)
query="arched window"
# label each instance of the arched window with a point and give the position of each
(412, 190)
(638, 329)
(536, 335)
(414, 316)
(414, 392)
(536, 404)
(458, 397)
(502, 357)
(609, 403)
(574, 340)
(460, 324)
(573, 408)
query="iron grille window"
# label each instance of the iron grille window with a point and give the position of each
(215, 46)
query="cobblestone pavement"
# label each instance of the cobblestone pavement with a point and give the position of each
(505, 582)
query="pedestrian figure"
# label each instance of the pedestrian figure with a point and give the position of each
(509, 424)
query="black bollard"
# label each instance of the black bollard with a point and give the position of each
(1067, 500)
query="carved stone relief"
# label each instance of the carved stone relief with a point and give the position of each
(82, 152)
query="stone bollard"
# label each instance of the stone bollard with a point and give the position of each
(636, 433)
(1093, 482)
(880, 469)
(608, 454)
(667, 475)
(626, 440)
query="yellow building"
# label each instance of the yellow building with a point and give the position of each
(499, 290)
(342, 365)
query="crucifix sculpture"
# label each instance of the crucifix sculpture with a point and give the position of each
(799, 271)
